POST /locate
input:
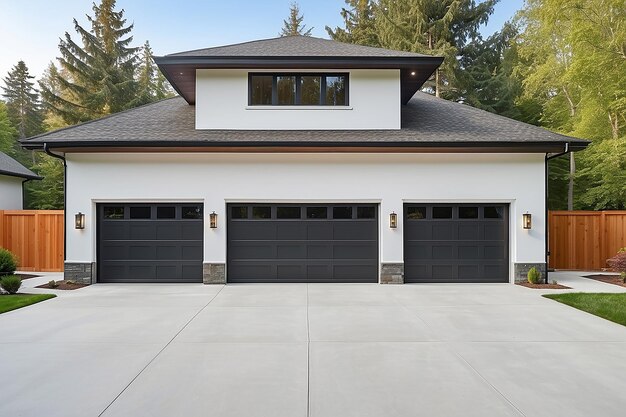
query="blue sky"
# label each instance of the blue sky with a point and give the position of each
(30, 29)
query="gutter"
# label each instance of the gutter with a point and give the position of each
(547, 229)
(62, 158)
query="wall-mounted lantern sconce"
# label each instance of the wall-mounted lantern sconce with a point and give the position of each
(79, 221)
(393, 220)
(213, 220)
(527, 221)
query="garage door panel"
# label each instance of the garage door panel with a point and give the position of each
(319, 230)
(469, 232)
(290, 250)
(150, 249)
(291, 231)
(313, 248)
(319, 251)
(471, 245)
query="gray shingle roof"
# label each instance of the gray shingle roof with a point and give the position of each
(294, 46)
(425, 120)
(12, 168)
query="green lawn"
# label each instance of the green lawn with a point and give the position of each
(608, 306)
(14, 301)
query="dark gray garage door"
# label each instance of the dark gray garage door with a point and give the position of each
(302, 243)
(456, 243)
(150, 242)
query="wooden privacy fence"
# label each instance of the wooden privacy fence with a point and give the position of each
(35, 237)
(585, 239)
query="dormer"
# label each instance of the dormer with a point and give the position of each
(297, 83)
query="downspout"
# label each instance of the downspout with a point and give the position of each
(62, 158)
(547, 229)
(24, 190)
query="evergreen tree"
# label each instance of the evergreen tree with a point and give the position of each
(46, 194)
(152, 84)
(293, 25)
(22, 101)
(7, 132)
(434, 27)
(486, 79)
(99, 77)
(50, 82)
(359, 25)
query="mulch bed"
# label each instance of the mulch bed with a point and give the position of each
(543, 286)
(63, 286)
(26, 276)
(609, 279)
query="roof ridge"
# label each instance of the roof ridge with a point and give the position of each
(107, 116)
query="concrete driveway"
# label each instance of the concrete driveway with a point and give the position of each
(309, 350)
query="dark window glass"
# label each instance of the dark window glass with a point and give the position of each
(192, 212)
(261, 89)
(316, 213)
(416, 213)
(442, 212)
(342, 212)
(310, 90)
(140, 212)
(114, 212)
(494, 212)
(336, 90)
(286, 89)
(288, 212)
(239, 212)
(166, 212)
(366, 212)
(468, 212)
(261, 212)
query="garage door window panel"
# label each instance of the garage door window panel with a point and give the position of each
(113, 213)
(261, 213)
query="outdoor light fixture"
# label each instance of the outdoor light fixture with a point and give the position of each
(413, 73)
(79, 221)
(393, 220)
(213, 220)
(527, 220)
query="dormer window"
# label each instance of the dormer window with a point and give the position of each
(305, 89)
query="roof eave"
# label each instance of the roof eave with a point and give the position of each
(180, 71)
(492, 147)
(20, 175)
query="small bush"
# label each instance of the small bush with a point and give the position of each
(8, 262)
(618, 263)
(11, 283)
(534, 276)
(53, 284)
(555, 282)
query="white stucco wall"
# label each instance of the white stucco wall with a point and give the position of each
(10, 193)
(387, 179)
(222, 103)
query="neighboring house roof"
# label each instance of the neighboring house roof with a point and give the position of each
(12, 168)
(426, 122)
(296, 52)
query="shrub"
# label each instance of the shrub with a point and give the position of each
(618, 263)
(53, 284)
(555, 282)
(534, 276)
(11, 283)
(8, 262)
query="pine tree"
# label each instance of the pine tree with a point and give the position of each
(100, 73)
(359, 25)
(22, 101)
(435, 27)
(7, 132)
(152, 84)
(49, 81)
(293, 25)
